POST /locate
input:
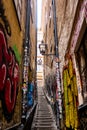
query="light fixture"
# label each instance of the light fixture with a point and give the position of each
(43, 48)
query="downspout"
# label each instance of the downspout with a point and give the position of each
(36, 53)
(26, 49)
(58, 77)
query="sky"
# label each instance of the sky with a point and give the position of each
(39, 2)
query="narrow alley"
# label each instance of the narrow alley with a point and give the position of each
(44, 118)
(43, 64)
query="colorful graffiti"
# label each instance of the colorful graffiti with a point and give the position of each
(30, 94)
(58, 95)
(9, 76)
(25, 82)
(18, 56)
(70, 96)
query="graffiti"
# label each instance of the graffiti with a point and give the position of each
(58, 90)
(9, 76)
(30, 94)
(70, 96)
(25, 82)
(15, 49)
(58, 97)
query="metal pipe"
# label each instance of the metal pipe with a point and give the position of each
(55, 29)
(58, 77)
(26, 47)
(27, 26)
(36, 54)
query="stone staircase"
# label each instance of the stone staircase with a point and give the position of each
(44, 118)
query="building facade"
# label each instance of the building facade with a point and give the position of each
(40, 62)
(71, 27)
(29, 59)
(12, 39)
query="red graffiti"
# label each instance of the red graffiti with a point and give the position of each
(2, 76)
(9, 74)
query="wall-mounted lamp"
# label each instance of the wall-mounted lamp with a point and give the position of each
(43, 48)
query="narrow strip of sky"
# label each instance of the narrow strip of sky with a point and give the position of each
(39, 9)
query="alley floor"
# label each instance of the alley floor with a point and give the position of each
(43, 118)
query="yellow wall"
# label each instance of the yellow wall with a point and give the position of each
(14, 41)
(16, 37)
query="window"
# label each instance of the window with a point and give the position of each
(82, 62)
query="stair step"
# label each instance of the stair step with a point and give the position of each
(44, 118)
(42, 109)
(44, 126)
(44, 113)
(44, 129)
(47, 116)
(45, 121)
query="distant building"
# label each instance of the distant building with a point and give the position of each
(40, 62)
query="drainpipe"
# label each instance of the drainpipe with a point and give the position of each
(58, 77)
(26, 50)
(36, 54)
